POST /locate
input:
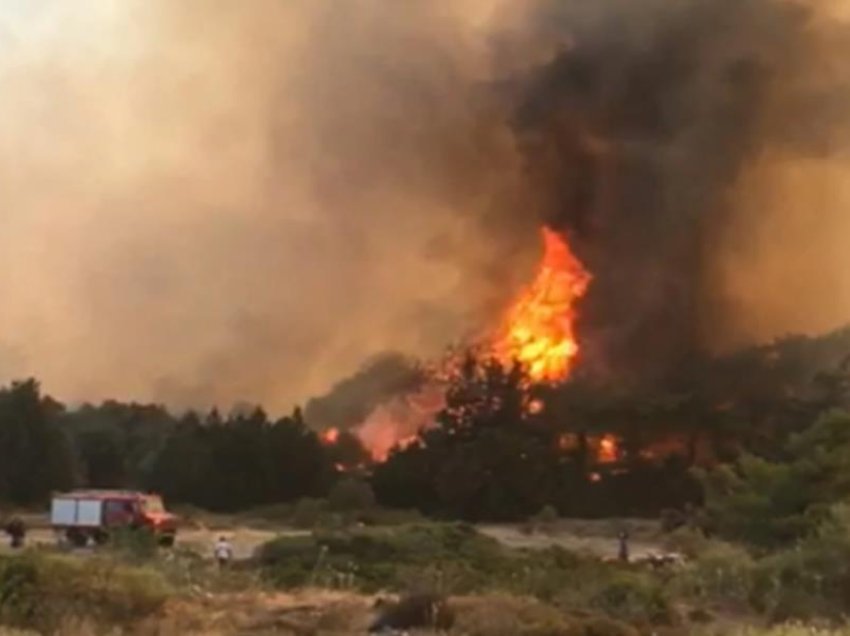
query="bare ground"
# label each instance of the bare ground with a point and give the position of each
(596, 538)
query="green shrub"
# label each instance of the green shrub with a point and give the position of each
(688, 542)
(720, 573)
(627, 593)
(810, 580)
(456, 559)
(351, 495)
(188, 571)
(544, 520)
(802, 583)
(634, 598)
(290, 561)
(137, 544)
(376, 558)
(40, 591)
(378, 516)
(308, 513)
(672, 520)
(775, 504)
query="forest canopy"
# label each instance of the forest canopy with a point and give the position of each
(487, 456)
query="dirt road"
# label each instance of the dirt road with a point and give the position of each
(602, 544)
(598, 538)
(244, 540)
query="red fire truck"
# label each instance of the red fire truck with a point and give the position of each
(89, 515)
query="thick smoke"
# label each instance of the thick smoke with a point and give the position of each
(211, 201)
(206, 201)
(350, 401)
(660, 137)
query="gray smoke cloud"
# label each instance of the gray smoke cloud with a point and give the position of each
(210, 201)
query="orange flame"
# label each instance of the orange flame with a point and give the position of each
(397, 423)
(539, 330)
(604, 449)
(330, 436)
(609, 450)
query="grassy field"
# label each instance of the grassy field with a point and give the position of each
(499, 581)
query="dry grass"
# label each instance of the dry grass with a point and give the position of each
(501, 615)
(328, 613)
(303, 613)
(332, 613)
(790, 629)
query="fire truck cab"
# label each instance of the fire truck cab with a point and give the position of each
(90, 515)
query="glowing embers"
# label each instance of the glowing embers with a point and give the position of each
(600, 449)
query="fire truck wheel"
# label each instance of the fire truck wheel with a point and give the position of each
(77, 538)
(100, 537)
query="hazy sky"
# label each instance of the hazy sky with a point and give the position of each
(208, 200)
(214, 200)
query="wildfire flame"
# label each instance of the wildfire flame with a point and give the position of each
(604, 449)
(395, 423)
(540, 327)
(608, 451)
(398, 422)
(538, 331)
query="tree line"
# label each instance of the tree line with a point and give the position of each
(219, 463)
(490, 456)
(501, 449)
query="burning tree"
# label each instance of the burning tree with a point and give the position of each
(537, 335)
(481, 460)
(539, 331)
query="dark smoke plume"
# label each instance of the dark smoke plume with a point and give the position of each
(351, 400)
(637, 133)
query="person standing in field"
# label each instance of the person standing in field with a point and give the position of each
(623, 552)
(17, 531)
(223, 552)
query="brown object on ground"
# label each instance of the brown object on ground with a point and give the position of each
(412, 611)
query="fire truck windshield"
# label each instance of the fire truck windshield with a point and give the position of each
(153, 504)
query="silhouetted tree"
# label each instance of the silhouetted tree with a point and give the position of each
(244, 461)
(35, 456)
(482, 460)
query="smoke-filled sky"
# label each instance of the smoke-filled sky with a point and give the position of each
(697, 150)
(210, 201)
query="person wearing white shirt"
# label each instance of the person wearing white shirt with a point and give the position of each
(223, 552)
